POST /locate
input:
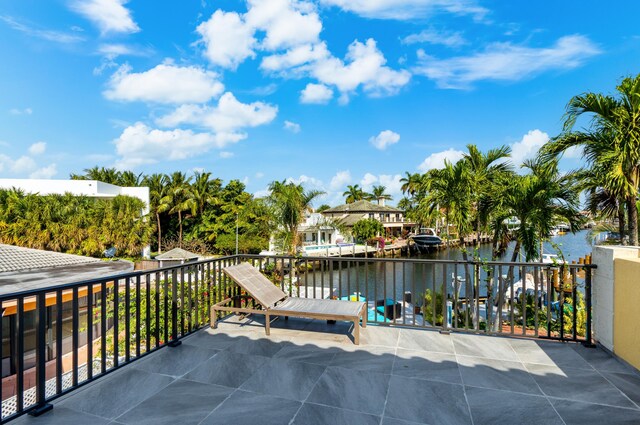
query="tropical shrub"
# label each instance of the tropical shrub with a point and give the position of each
(74, 224)
(367, 228)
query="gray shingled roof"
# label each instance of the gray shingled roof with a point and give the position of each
(177, 254)
(350, 219)
(361, 206)
(25, 280)
(15, 258)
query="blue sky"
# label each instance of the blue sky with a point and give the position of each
(324, 92)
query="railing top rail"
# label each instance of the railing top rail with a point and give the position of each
(110, 278)
(420, 260)
(120, 276)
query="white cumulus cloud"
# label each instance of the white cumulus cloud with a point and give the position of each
(436, 160)
(528, 146)
(24, 164)
(340, 180)
(390, 181)
(37, 148)
(286, 23)
(292, 126)
(166, 83)
(288, 32)
(506, 62)
(308, 182)
(45, 172)
(385, 139)
(368, 180)
(294, 57)
(316, 93)
(227, 38)
(139, 144)
(228, 116)
(364, 66)
(111, 16)
(226, 154)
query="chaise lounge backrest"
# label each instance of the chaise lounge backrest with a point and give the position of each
(256, 284)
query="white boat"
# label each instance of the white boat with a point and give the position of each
(426, 238)
(552, 259)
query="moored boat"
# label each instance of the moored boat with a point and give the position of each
(426, 238)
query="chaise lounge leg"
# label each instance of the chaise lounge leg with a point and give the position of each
(364, 317)
(213, 318)
(356, 331)
(267, 324)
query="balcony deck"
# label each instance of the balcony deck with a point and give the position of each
(237, 375)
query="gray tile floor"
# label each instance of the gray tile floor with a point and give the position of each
(309, 372)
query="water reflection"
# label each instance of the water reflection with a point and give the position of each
(379, 280)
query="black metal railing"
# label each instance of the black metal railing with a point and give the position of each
(59, 338)
(519, 299)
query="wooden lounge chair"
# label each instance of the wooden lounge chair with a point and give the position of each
(274, 302)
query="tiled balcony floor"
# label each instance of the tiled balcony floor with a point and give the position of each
(300, 375)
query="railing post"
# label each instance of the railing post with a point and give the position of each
(41, 346)
(174, 310)
(587, 297)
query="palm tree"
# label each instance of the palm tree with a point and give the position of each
(613, 138)
(449, 188)
(110, 175)
(290, 202)
(106, 175)
(540, 200)
(158, 190)
(354, 193)
(411, 183)
(204, 190)
(129, 178)
(484, 170)
(180, 197)
(495, 213)
(378, 194)
(405, 204)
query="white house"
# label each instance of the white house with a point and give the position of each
(392, 219)
(317, 230)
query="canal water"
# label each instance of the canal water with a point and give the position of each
(391, 279)
(572, 245)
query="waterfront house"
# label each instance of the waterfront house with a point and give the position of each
(319, 230)
(391, 218)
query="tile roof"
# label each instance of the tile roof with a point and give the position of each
(177, 254)
(361, 206)
(350, 219)
(15, 258)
